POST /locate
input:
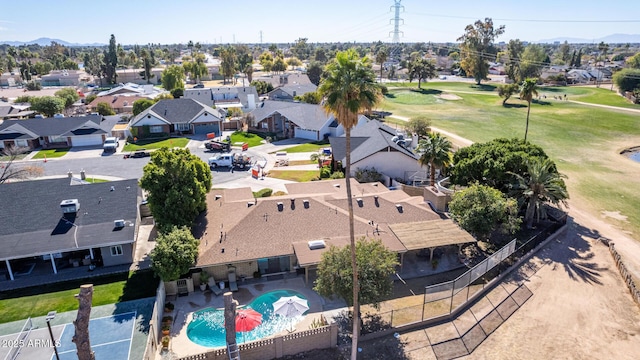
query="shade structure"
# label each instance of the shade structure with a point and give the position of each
(290, 306)
(247, 320)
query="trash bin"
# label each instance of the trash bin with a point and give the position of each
(221, 285)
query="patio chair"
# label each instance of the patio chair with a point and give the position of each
(214, 287)
(233, 284)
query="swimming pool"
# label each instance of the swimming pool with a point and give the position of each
(207, 326)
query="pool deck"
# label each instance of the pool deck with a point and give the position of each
(185, 306)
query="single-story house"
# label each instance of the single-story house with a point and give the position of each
(174, 116)
(294, 120)
(136, 76)
(580, 76)
(289, 92)
(244, 98)
(10, 78)
(53, 132)
(15, 111)
(65, 78)
(145, 90)
(376, 145)
(119, 103)
(56, 224)
(285, 79)
(283, 234)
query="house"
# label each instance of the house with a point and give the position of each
(580, 76)
(65, 78)
(175, 116)
(293, 120)
(56, 225)
(15, 111)
(244, 98)
(285, 234)
(376, 145)
(136, 76)
(119, 103)
(285, 79)
(10, 78)
(53, 132)
(289, 92)
(147, 90)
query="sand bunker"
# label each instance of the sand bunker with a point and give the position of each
(449, 97)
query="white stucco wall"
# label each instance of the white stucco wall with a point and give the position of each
(393, 164)
(206, 117)
(306, 134)
(149, 120)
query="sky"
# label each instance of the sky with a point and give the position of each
(232, 21)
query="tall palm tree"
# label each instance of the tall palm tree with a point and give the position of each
(542, 184)
(528, 90)
(436, 152)
(349, 89)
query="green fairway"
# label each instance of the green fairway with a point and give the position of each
(583, 140)
(51, 153)
(151, 144)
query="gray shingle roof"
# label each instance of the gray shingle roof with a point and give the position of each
(306, 116)
(37, 225)
(367, 140)
(298, 89)
(54, 126)
(177, 111)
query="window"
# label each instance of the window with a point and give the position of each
(116, 250)
(265, 125)
(154, 129)
(58, 139)
(21, 143)
(183, 127)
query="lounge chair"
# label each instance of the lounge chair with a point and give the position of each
(214, 287)
(233, 284)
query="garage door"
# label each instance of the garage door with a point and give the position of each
(86, 140)
(206, 128)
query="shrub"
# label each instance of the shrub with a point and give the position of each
(34, 86)
(368, 175)
(337, 175)
(325, 172)
(263, 193)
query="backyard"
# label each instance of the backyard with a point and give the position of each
(584, 141)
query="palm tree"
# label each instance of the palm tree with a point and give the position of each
(527, 90)
(436, 152)
(381, 57)
(542, 184)
(348, 89)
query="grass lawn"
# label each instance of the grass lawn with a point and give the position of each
(308, 147)
(151, 144)
(95, 180)
(584, 141)
(294, 175)
(51, 153)
(7, 158)
(37, 301)
(243, 137)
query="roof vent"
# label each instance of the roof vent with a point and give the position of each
(336, 185)
(118, 224)
(399, 207)
(359, 201)
(218, 196)
(305, 203)
(280, 206)
(70, 206)
(316, 244)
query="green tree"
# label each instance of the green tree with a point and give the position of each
(320, 55)
(532, 60)
(422, 69)
(506, 91)
(376, 264)
(477, 47)
(266, 60)
(68, 95)
(481, 209)
(293, 62)
(105, 109)
(141, 105)
(147, 64)
(311, 97)
(349, 89)
(301, 49)
(493, 162)
(435, 151)
(528, 90)
(314, 72)
(228, 64)
(177, 93)
(177, 183)
(174, 254)
(563, 52)
(634, 61)
(419, 125)
(279, 65)
(541, 184)
(381, 57)
(47, 105)
(173, 77)
(110, 61)
(262, 87)
(627, 80)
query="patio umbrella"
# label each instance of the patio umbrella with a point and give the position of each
(247, 320)
(290, 306)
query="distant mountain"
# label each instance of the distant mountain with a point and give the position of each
(610, 39)
(46, 42)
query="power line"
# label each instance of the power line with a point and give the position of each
(531, 20)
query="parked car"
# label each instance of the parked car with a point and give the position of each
(213, 145)
(110, 144)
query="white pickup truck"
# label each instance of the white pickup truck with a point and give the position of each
(240, 160)
(110, 144)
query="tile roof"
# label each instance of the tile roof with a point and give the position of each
(241, 228)
(37, 224)
(306, 116)
(367, 140)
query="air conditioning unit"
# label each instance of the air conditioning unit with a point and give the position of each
(316, 244)
(70, 206)
(118, 223)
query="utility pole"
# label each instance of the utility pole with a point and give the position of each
(234, 38)
(260, 37)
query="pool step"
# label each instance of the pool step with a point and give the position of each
(233, 351)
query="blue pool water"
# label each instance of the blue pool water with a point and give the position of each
(635, 156)
(207, 326)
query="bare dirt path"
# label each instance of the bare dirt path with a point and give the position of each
(606, 106)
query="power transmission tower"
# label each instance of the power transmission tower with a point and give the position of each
(396, 22)
(260, 37)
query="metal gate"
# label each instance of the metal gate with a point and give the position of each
(182, 287)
